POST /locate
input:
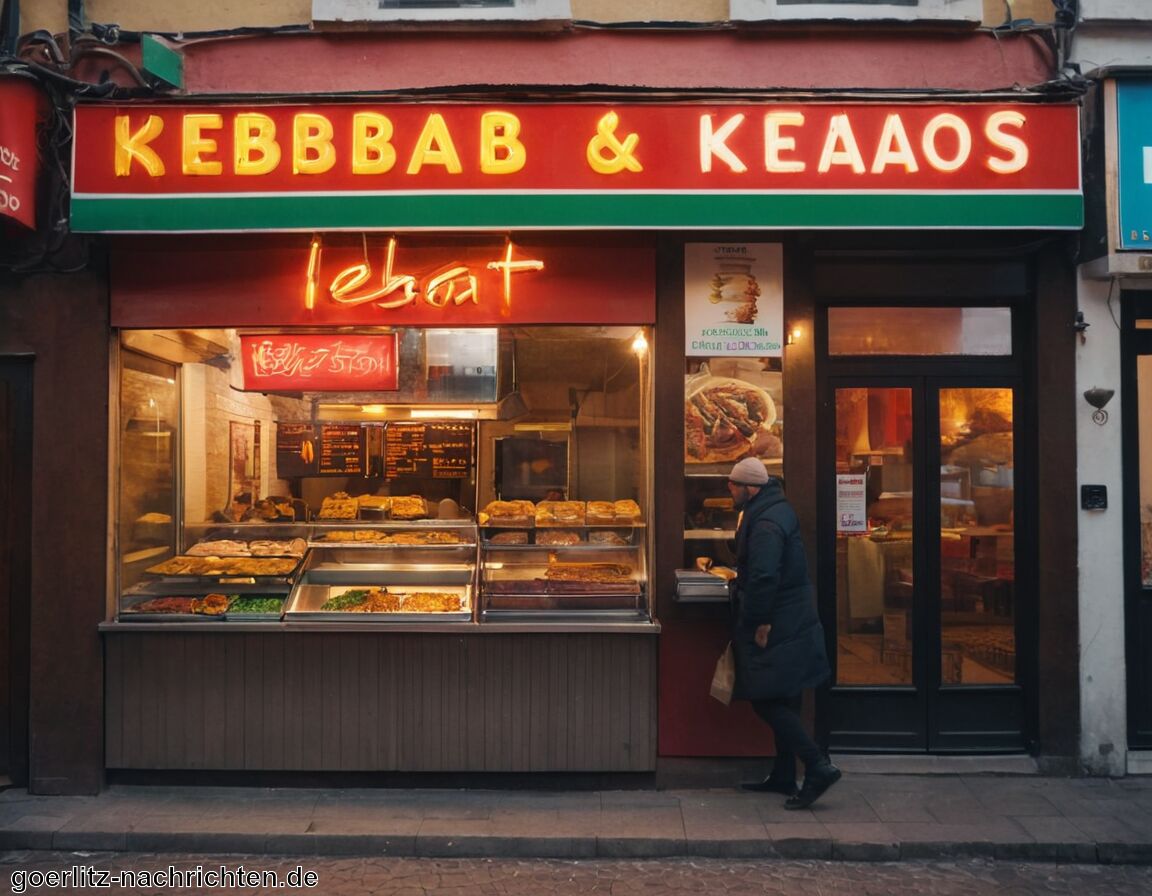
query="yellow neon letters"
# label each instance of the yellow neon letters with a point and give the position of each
(196, 145)
(131, 146)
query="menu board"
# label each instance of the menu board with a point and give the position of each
(341, 450)
(435, 450)
(295, 449)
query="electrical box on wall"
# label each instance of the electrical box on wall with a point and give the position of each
(1094, 497)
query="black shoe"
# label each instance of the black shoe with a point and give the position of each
(816, 781)
(768, 785)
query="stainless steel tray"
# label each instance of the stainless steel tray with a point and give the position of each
(307, 599)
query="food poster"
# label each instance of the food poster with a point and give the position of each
(733, 300)
(732, 410)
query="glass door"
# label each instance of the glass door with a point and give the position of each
(924, 579)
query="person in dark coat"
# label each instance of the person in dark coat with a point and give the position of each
(777, 638)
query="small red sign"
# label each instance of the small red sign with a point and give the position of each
(19, 101)
(319, 363)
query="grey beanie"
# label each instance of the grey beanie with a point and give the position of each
(749, 471)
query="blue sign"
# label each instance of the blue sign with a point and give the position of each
(1134, 178)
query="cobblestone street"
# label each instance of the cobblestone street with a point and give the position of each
(514, 877)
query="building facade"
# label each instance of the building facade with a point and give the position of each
(590, 261)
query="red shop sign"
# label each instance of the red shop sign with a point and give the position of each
(319, 363)
(19, 101)
(395, 166)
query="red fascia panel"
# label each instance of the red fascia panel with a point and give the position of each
(867, 59)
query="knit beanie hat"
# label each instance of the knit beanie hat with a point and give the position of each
(749, 471)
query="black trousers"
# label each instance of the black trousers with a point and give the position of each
(792, 741)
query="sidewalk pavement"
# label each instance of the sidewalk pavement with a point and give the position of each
(868, 816)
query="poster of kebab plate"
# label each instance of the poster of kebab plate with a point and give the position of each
(734, 334)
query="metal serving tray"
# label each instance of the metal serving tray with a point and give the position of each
(305, 603)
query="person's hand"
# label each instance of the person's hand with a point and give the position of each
(762, 632)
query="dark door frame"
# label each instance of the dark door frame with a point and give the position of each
(953, 720)
(1137, 598)
(16, 374)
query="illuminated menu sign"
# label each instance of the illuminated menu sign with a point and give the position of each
(296, 449)
(341, 450)
(434, 450)
(319, 362)
(394, 166)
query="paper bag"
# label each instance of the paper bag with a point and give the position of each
(724, 678)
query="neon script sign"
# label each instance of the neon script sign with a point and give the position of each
(276, 362)
(449, 285)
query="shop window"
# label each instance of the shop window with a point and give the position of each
(920, 331)
(149, 437)
(259, 470)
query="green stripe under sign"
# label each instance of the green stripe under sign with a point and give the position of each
(594, 211)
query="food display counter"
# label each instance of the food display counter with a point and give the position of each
(239, 573)
(389, 572)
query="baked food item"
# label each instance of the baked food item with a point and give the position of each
(220, 547)
(409, 507)
(338, 506)
(430, 602)
(626, 509)
(557, 537)
(211, 605)
(564, 513)
(607, 536)
(512, 536)
(600, 573)
(600, 512)
(509, 513)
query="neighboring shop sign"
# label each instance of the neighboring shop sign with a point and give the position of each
(19, 101)
(188, 168)
(733, 300)
(1134, 171)
(340, 362)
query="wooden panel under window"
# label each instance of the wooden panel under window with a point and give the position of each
(384, 701)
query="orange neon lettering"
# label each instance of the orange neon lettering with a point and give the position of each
(372, 151)
(131, 146)
(196, 145)
(509, 267)
(447, 281)
(256, 149)
(313, 274)
(352, 278)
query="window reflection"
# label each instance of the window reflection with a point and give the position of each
(920, 331)
(977, 551)
(874, 566)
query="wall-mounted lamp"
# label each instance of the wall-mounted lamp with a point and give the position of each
(792, 335)
(1098, 397)
(640, 343)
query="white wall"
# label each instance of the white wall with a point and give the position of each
(1103, 707)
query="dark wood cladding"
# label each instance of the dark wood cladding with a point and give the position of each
(384, 701)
